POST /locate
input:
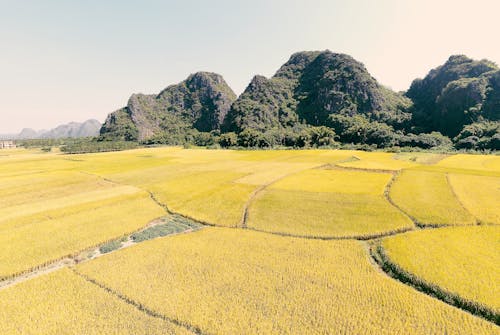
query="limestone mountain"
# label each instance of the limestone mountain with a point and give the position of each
(458, 93)
(311, 88)
(200, 102)
(28, 134)
(89, 128)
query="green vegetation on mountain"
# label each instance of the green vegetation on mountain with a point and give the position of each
(310, 88)
(456, 94)
(200, 102)
(320, 98)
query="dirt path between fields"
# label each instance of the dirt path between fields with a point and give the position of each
(84, 256)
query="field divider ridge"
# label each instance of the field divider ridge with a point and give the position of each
(393, 270)
(80, 256)
(455, 195)
(261, 188)
(139, 306)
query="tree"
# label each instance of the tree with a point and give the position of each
(228, 140)
(248, 138)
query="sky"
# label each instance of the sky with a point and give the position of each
(69, 60)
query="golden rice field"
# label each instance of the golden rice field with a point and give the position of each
(285, 257)
(64, 303)
(462, 260)
(428, 197)
(480, 195)
(284, 286)
(327, 203)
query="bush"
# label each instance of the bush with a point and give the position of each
(228, 140)
(425, 141)
(110, 246)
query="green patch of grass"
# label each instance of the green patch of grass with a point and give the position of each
(110, 246)
(173, 224)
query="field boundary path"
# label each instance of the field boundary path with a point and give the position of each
(380, 259)
(261, 188)
(452, 189)
(88, 254)
(138, 305)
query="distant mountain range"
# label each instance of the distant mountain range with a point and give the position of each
(89, 128)
(321, 93)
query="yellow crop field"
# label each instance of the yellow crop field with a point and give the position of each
(327, 203)
(324, 214)
(64, 303)
(335, 181)
(427, 196)
(427, 158)
(285, 260)
(472, 162)
(32, 241)
(227, 281)
(480, 195)
(376, 161)
(460, 260)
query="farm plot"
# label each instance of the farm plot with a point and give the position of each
(427, 197)
(480, 195)
(47, 216)
(228, 281)
(480, 163)
(462, 261)
(375, 161)
(327, 203)
(215, 188)
(64, 303)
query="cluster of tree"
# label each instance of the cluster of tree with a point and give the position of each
(43, 143)
(88, 145)
(479, 136)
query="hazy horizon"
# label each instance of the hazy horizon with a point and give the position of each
(72, 61)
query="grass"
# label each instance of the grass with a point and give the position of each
(173, 224)
(110, 246)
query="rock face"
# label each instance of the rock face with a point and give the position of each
(311, 87)
(201, 101)
(460, 92)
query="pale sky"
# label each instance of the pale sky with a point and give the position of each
(69, 60)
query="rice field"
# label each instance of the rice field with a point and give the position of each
(480, 195)
(285, 256)
(64, 303)
(285, 286)
(327, 204)
(464, 260)
(428, 197)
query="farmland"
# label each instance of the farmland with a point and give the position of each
(470, 253)
(281, 242)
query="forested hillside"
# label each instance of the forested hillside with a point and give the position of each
(321, 98)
